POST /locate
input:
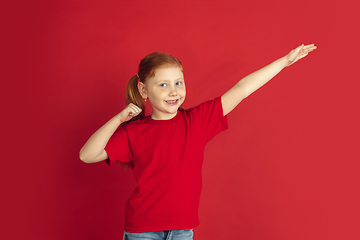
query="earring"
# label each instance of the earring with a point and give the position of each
(145, 99)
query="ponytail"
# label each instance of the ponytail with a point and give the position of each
(133, 96)
(147, 67)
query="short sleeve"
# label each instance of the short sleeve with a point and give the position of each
(118, 147)
(211, 117)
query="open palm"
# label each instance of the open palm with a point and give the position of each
(298, 53)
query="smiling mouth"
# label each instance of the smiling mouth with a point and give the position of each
(172, 102)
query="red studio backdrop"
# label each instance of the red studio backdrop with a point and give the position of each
(287, 167)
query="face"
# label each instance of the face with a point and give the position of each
(165, 91)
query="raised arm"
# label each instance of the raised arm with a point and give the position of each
(255, 80)
(94, 148)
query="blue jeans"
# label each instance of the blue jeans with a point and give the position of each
(161, 235)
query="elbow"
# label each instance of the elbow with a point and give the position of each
(83, 158)
(81, 155)
(88, 157)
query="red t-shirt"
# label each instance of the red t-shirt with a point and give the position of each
(167, 157)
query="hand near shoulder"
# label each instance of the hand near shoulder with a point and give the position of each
(94, 148)
(298, 53)
(130, 111)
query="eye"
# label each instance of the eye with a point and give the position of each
(163, 85)
(178, 83)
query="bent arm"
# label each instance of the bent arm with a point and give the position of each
(255, 80)
(94, 148)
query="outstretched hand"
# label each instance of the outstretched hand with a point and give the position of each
(298, 53)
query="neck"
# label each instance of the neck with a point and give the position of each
(164, 117)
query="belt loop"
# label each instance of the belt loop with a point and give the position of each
(169, 235)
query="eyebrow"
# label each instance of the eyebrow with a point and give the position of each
(169, 80)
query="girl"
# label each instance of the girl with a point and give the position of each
(165, 149)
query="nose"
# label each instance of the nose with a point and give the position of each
(173, 91)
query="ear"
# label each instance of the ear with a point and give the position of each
(142, 90)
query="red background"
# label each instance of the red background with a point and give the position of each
(287, 167)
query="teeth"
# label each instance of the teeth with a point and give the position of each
(171, 101)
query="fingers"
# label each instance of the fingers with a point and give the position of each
(300, 52)
(306, 49)
(129, 112)
(309, 48)
(133, 110)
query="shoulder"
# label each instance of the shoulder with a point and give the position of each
(131, 126)
(135, 123)
(206, 106)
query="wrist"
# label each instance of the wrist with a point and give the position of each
(117, 118)
(283, 62)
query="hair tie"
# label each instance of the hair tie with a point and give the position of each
(138, 80)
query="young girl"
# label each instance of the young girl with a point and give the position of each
(165, 149)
